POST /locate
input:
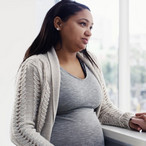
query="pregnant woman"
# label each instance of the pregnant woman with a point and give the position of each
(61, 97)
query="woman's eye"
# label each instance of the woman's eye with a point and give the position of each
(83, 24)
(91, 27)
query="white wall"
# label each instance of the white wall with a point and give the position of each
(20, 22)
(17, 31)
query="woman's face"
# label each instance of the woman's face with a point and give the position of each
(76, 31)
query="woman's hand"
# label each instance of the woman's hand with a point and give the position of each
(141, 116)
(138, 122)
(133, 125)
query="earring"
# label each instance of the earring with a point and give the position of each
(58, 28)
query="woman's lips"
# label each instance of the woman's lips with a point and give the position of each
(85, 41)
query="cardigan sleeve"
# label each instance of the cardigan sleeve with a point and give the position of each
(109, 114)
(28, 93)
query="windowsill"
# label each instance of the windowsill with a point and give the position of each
(124, 136)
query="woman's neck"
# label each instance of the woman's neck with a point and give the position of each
(65, 56)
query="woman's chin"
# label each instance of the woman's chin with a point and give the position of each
(83, 47)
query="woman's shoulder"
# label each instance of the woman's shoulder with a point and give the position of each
(36, 60)
(93, 56)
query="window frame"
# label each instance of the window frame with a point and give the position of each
(123, 56)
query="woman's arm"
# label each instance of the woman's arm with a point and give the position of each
(28, 92)
(109, 114)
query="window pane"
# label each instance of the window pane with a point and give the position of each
(104, 40)
(138, 54)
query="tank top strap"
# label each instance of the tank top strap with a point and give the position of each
(83, 66)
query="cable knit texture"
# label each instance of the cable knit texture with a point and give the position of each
(37, 93)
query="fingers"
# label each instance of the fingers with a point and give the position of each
(140, 122)
(139, 114)
(142, 117)
(134, 126)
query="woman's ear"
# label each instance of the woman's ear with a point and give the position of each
(57, 23)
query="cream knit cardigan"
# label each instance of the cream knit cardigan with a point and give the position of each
(37, 92)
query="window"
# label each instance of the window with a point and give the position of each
(137, 29)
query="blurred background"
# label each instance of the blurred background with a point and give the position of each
(118, 40)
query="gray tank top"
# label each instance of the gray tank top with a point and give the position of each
(76, 123)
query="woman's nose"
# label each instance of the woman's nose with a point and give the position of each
(88, 32)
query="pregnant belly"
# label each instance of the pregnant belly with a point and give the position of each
(77, 128)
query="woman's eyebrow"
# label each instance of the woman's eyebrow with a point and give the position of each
(86, 20)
